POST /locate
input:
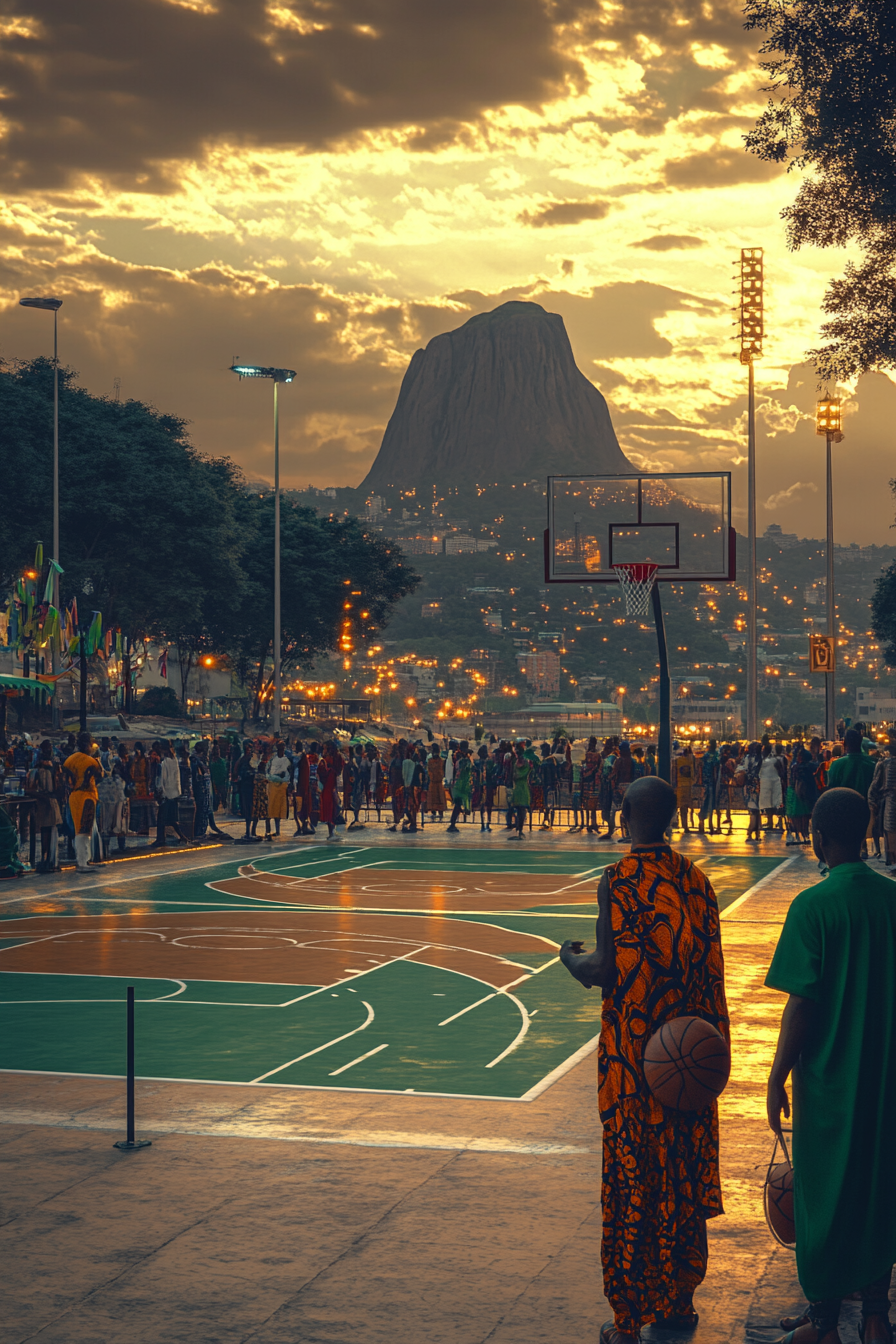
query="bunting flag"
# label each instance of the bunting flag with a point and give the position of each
(119, 647)
(39, 557)
(54, 570)
(74, 612)
(107, 643)
(95, 633)
(51, 624)
(163, 664)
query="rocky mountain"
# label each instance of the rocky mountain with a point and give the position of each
(500, 398)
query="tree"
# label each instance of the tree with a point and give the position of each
(325, 563)
(883, 611)
(833, 113)
(148, 525)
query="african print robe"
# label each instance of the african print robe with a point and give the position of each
(660, 1166)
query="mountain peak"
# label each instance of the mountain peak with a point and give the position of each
(500, 398)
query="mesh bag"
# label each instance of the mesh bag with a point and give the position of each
(636, 582)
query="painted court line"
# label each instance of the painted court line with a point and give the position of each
(353, 1062)
(548, 1081)
(751, 891)
(284, 1134)
(469, 1008)
(518, 1039)
(136, 877)
(308, 1053)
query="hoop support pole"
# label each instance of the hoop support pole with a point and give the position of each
(664, 743)
(130, 1143)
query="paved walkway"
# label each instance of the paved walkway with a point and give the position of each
(274, 1216)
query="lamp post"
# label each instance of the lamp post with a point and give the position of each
(277, 376)
(53, 305)
(752, 330)
(827, 422)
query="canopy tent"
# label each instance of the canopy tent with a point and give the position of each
(24, 684)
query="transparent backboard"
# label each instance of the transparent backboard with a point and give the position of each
(679, 521)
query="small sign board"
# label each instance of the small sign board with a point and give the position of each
(822, 653)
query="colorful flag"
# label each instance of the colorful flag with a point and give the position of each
(163, 664)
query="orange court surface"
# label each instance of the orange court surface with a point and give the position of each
(431, 971)
(370, 1090)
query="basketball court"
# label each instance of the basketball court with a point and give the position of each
(369, 968)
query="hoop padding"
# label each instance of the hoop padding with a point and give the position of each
(636, 582)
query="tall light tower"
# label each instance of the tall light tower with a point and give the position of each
(752, 330)
(828, 422)
(277, 376)
(52, 305)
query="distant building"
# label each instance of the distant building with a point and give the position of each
(714, 718)
(493, 620)
(875, 706)
(375, 508)
(431, 611)
(857, 555)
(542, 671)
(816, 594)
(582, 718)
(464, 545)
(774, 532)
(420, 546)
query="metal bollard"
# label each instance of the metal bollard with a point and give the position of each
(128, 1144)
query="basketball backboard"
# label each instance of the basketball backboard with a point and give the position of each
(680, 521)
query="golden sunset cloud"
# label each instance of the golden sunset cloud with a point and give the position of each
(328, 184)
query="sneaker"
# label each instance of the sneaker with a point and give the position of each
(516, 836)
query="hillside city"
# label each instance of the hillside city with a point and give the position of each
(483, 633)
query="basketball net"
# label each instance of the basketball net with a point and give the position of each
(636, 582)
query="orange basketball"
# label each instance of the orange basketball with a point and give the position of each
(686, 1064)
(777, 1197)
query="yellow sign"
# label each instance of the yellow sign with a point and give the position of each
(822, 653)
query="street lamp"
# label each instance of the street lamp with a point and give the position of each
(51, 305)
(276, 376)
(828, 422)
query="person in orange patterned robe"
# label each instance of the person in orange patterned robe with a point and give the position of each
(658, 956)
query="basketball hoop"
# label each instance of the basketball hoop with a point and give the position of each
(636, 582)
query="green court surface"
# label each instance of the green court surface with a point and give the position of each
(430, 971)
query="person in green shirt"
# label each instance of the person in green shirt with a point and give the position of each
(836, 959)
(855, 770)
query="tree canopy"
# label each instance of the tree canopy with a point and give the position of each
(166, 541)
(832, 113)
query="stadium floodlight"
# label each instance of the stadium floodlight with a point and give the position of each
(276, 376)
(263, 371)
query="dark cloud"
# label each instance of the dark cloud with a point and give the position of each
(719, 168)
(565, 213)
(669, 242)
(114, 90)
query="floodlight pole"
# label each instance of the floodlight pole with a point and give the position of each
(751, 322)
(53, 305)
(752, 584)
(830, 729)
(276, 719)
(278, 376)
(664, 734)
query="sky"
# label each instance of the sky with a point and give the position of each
(326, 185)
